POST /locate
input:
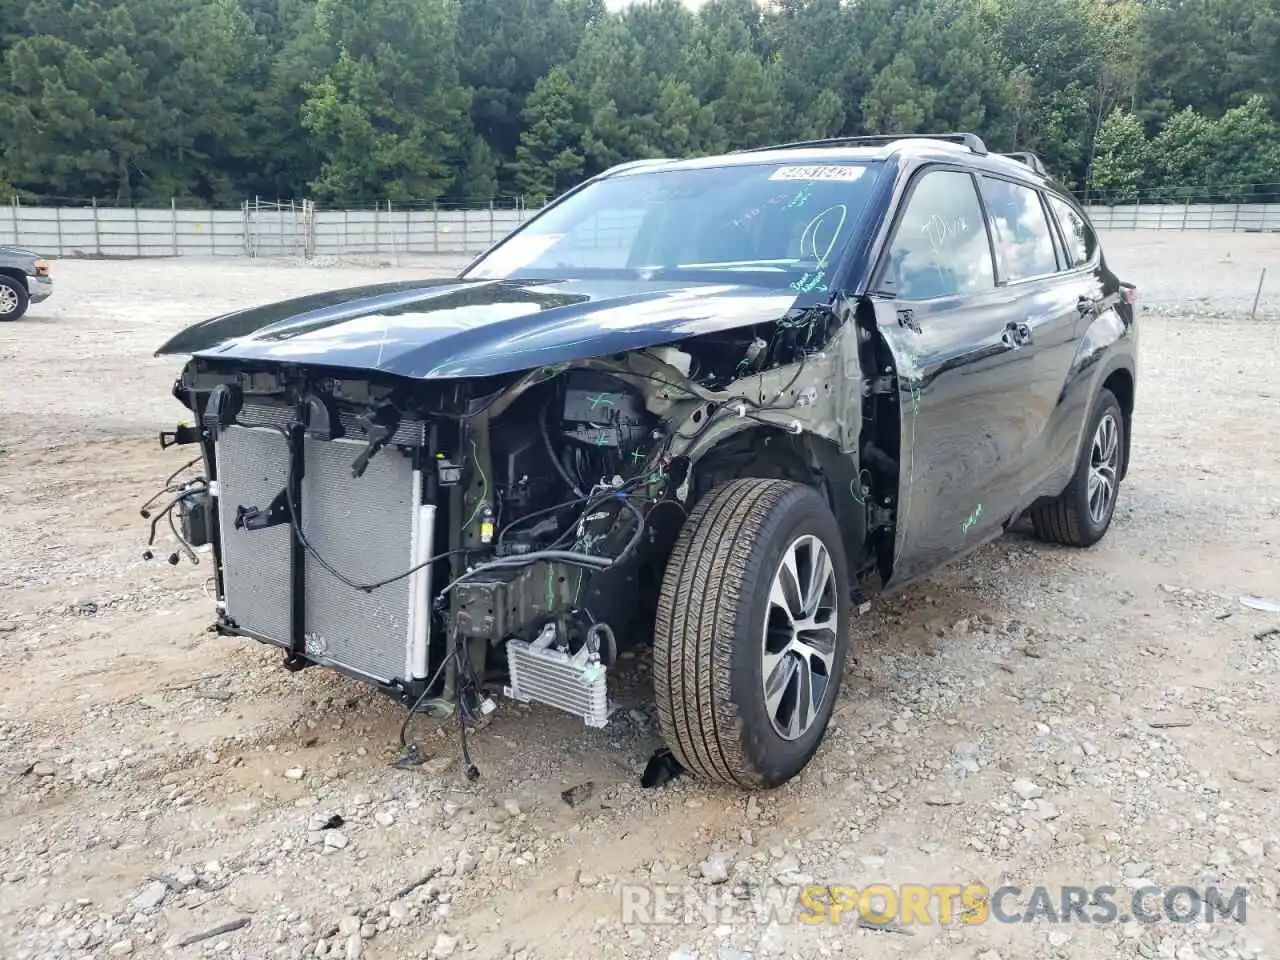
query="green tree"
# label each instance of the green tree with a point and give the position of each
(390, 116)
(286, 159)
(1246, 158)
(897, 101)
(75, 139)
(1061, 50)
(821, 49)
(1122, 159)
(416, 99)
(1210, 56)
(549, 157)
(158, 91)
(620, 95)
(1181, 154)
(476, 176)
(686, 127)
(507, 47)
(751, 112)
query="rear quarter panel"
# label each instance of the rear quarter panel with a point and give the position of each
(1107, 352)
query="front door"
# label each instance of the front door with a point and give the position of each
(964, 364)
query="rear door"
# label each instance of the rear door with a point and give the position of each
(962, 373)
(1047, 303)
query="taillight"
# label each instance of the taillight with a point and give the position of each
(42, 268)
(1130, 294)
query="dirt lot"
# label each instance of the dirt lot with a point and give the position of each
(1030, 716)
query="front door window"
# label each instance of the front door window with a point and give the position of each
(940, 247)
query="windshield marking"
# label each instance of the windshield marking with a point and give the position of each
(799, 200)
(814, 225)
(809, 282)
(756, 211)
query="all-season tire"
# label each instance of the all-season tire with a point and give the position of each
(13, 298)
(1071, 518)
(717, 623)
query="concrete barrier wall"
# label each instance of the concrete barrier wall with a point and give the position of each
(261, 232)
(418, 231)
(1247, 217)
(286, 230)
(123, 232)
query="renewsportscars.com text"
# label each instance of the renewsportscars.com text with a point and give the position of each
(926, 904)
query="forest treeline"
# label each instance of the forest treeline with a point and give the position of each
(356, 101)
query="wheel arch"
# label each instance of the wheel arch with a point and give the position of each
(767, 452)
(1120, 382)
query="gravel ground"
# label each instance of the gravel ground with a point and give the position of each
(1029, 716)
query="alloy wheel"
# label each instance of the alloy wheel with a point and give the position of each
(1104, 460)
(800, 637)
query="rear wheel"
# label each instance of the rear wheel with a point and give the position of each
(751, 633)
(13, 298)
(1081, 514)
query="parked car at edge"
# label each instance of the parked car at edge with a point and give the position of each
(713, 405)
(24, 279)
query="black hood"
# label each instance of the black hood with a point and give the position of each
(467, 328)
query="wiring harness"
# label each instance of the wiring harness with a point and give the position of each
(179, 493)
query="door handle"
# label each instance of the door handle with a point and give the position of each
(1086, 305)
(1016, 334)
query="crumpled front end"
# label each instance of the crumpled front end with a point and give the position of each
(427, 536)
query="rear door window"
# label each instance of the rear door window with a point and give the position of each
(1080, 239)
(940, 247)
(1020, 228)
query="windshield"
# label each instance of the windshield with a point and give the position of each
(776, 225)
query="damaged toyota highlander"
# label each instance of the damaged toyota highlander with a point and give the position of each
(712, 405)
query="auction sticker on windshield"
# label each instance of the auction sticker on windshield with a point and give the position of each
(843, 172)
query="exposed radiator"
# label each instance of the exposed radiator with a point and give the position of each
(252, 468)
(370, 528)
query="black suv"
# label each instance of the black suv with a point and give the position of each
(710, 404)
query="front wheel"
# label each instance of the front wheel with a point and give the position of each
(751, 632)
(1081, 514)
(13, 298)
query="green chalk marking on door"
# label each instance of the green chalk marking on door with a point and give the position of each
(973, 518)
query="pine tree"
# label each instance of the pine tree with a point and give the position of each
(549, 156)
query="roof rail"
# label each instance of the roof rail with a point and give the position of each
(1029, 159)
(970, 140)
